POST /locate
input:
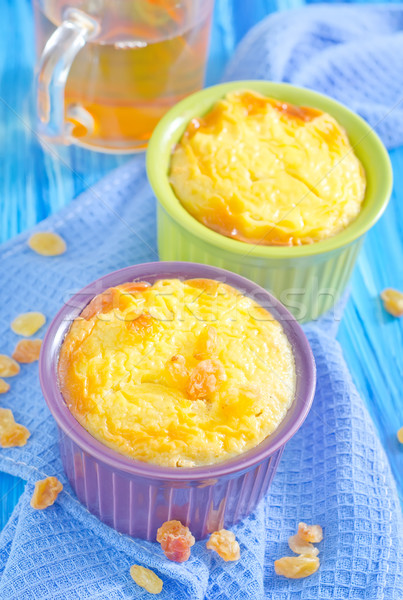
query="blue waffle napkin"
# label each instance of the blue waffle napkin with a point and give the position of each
(333, 472)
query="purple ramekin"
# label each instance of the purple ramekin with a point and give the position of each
(135, 497)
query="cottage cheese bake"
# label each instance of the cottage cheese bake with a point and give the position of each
(178, 373)
(267, 172)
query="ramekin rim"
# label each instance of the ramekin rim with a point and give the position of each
(183, 218)
(76, 432)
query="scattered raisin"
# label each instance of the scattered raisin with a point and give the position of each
(296, 567)
(4, 386)
(11, 433)
(146, 579)
(28, 323)
(176, 540)
(8, 366)
(47, 244)
(207, 343)
(393, 302)
(225, 544)
(300, 546)
(205, 379)
(310, 533)
(27, 351)
(45, 493)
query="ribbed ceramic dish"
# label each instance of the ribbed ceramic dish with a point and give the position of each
(136, 497)
(308, 279)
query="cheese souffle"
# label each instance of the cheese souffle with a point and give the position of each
(267, 172)
(178, 373)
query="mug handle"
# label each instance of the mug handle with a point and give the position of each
(58, 55)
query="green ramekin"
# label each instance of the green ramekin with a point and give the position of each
(308, 279)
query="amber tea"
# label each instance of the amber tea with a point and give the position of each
(137, 58)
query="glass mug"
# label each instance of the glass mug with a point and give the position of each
(109, 69)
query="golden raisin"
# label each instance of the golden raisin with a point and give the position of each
(141, 325)
(296, 567)
(27, 351)
(11, 433)
(4, 386)
(393, 302)
(207, 343)
(310, 533)
(16, 436)
(146, 579)
(47, 243)
(400, 435)
(28, 323)
(205, 378)
(176, 540)
(8, 366)
(225, 544)
(300, 546)
(45, 493)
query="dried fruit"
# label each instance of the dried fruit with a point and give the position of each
(176, 540)
(4, 386)
(177, 369)
(146, 579)
(28, 323)
(11, 433)
(27, 351)
(8, 366)
(45, 493)
(205, 379)
(47, 243)
(225, 544)
(300, 546)
(141, 325)
(207, 343)
(400, 435)
(393, 302)
(310, 533)
(296, 567)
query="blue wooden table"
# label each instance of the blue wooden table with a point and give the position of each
(35, 183)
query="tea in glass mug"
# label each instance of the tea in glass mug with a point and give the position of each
(109, 69)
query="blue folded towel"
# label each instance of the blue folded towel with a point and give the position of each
(333, 472)
(350, 52)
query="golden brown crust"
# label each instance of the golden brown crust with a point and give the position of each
(267, 172)
(154, 379)
(207, 285)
